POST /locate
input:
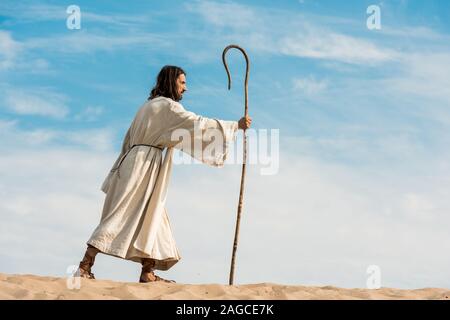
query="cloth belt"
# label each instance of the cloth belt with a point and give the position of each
(126, 153)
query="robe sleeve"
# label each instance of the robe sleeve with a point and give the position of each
(205, 139)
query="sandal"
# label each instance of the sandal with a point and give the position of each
(147, 274)
(84, 274)
(84, 269)
(152, 277)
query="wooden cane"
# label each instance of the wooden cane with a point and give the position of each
(241, 193)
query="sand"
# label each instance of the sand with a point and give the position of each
(38, 287)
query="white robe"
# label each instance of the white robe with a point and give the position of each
(134, 222)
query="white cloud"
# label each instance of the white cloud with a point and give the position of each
(90, 113)
(288, 33)
(50, 194)
(225, 14)
(87, 42)
(26, 12)
(313, 223)
(9, 49)
(13, 56)
(422, 75)
(319, 221)
(100, 139)
(36, 101)
(23, 55)
(324, 44)
(32, 12)
(310, 86)
(415, 32)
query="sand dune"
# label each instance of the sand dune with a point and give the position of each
(37, 287)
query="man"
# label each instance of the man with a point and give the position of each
(134, 223)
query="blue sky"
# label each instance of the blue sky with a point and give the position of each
(363, 118)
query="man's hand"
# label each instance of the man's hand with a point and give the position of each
(245, 122)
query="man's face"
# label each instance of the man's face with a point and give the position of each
(181, 85)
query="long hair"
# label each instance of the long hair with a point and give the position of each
(166, 83)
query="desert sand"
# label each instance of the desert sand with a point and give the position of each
(38, 287)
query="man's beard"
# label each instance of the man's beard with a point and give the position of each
(180, 97)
